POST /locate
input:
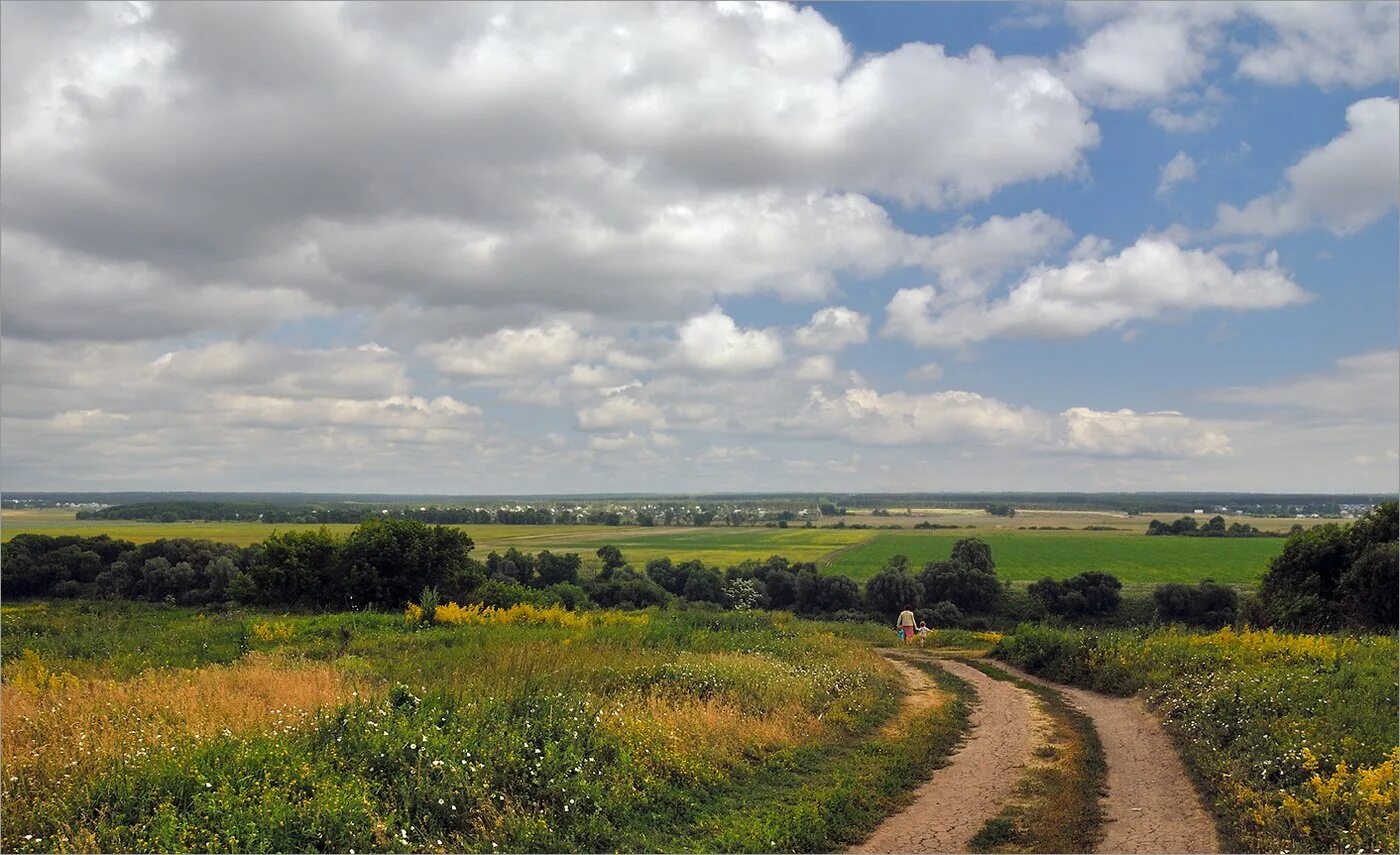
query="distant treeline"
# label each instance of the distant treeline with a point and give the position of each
(1327, 577)
(214, 511)
(1214, 527)
(1262, 504)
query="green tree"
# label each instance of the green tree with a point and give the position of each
(892, 590)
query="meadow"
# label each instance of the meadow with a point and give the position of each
(1022, 555)
(156, 728)
(1025, 556)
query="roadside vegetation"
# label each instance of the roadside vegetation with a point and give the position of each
(160, 728)
(1291, 737)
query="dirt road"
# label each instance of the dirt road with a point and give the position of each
(1151, 804)
(957, 800)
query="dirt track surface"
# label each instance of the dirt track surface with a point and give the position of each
(957, 800)
(1151, 805)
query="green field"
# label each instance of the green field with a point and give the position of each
(858, 553)
(1027, 556)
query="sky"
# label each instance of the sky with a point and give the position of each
(529, 248)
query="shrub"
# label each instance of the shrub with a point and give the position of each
(1204, 604)
(942, 615)
(743, 594)
(625, 588)
(1089, 593)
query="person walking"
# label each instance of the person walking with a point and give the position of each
(906, 625)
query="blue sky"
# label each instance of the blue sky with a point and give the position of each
(526, 248)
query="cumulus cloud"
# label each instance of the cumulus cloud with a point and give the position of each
(833, 328)
(1364, 384)
(718, 149)
(816, 368)
(1179, 169)
(1344, 186)
(1151, 278)
(1179, 122)
(713, 342)
(621, 411)
(929, 372)
(1142, 52)
(1135, 53)
(1125, 433)
(1328, 44)
(63, 296)
(516, 352)
(899, 418)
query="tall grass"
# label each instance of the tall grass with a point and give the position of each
(1292, 737)
(337, 732)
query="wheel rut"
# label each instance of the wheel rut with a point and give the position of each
(957, 800)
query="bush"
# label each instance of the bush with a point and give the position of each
(566, 594)
(1089, 593)
(1205, 604)
(625, 588)
(942, 615)
(503, 594)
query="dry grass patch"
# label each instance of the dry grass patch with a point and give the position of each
(56, 726)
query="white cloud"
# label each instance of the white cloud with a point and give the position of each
(55, 295)
(1345, 185)
(516, 352)
(1137, 53)
(833, 328)
(1364, 384)
(1326, 43)
(713, 342)
(897, 418)
(1126, 433)
(929, 372)
(1142, 51)
(970, 258)
(621, 411)
(1175, 171)
(1144, 281)
(1202, 119)
(661, 158)
(816, 368)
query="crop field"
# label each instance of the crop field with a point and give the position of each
(1024, 519)
(860, 553)
(157, 728)
(1031, 555)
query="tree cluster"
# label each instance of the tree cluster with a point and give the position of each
(1087, 594)
(1000, 509)
(1214, 527)
(942, 591)
(1332, 576)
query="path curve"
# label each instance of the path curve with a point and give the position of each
(1151, 805)
(958, 799)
